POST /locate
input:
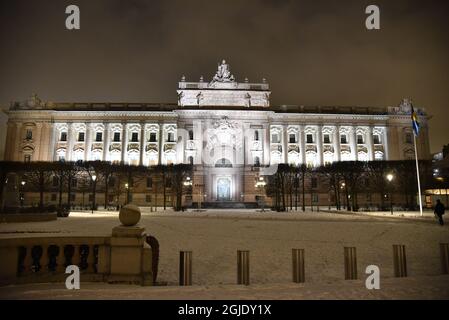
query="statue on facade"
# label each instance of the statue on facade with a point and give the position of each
(223, 73)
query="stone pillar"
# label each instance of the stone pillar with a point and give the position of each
(353, 138)
(106, 142)
(51, 152)
(337, 151)
(142, 143)
(319, 144)
(385, 141)
(302, 141)
(39, 143)
(370, 143)
(124, 142)
(69, 141)
(130, 253)
(88, 142)
(161, 143)
(266, 144)
(284, 143)
(18, 140)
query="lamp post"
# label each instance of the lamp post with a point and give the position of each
(390, 178)
(188, 184)
(94, 189)
(260, 184)
(22, 195)
(127, 193)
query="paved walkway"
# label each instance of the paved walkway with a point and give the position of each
(425, 287)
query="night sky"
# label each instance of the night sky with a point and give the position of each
(311, 52)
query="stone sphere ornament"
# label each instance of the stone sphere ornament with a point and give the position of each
(129, 215)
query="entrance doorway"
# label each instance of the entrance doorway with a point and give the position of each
(223, 189)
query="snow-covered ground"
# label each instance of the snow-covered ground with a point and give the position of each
(214, 236)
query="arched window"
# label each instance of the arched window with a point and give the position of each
(190, 134)
(190, 160)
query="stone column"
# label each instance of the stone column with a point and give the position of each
(337, 151)
(124, 142)
(370, 143)
(284, 143)
(130, 253)
(385, 141)
(70, 141)
(319, 144)
(51, 152)
(161, 142)
(106, 142)
(142, 143)
(39, 142)
(266, 144)
(18, 140)
(353, 138)
(302, 141)
(88, 142)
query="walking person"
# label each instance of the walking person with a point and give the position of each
(439, 211)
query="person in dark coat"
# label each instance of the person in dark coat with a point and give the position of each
(439, 211)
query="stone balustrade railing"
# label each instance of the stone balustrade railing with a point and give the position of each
(44, 259)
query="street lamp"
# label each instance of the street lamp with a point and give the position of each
(94, 187)
(390, 178)
(260, 184)
(22, 196)
(127, 192)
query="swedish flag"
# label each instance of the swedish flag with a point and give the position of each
(415, 122)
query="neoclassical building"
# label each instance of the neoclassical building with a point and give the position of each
(227, 129)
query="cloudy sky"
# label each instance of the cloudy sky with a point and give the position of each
(311, 52)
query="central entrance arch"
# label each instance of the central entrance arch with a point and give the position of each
(224, 189)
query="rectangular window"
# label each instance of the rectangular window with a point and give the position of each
(148, 198)
(29, 134)
(99, 137)
(74, 183)
(116, 137)
(360, 139)
(72, 197)
(315, 198)
(408, 138)
(81, 137)
(153, 137)
(256, 135)
(309, 138)
(55, 181)
(326, 138)
(63, 137)
(314, 182)
(27, 158)
(376, 139)
(275, 138)
(171, 137)
(135, 137)
(292, 138)
(53, 197)
(343, 139)
(149, 183)
(61, 158)
(190, 134)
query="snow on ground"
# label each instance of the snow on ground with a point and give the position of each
(423, 287)
(214, 236)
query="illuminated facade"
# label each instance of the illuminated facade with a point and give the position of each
(227, 129)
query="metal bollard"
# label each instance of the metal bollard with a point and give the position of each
(243, 267)
(400, 261)
(444, 253)
(350, 263)
(298, 265)
(185, 268)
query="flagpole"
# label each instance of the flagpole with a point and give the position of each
(417, 175)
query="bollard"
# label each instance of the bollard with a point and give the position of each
(400, 261)
(350, 263)
(185, 268)
(298, 265)
(243, 267)
(444, 253)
